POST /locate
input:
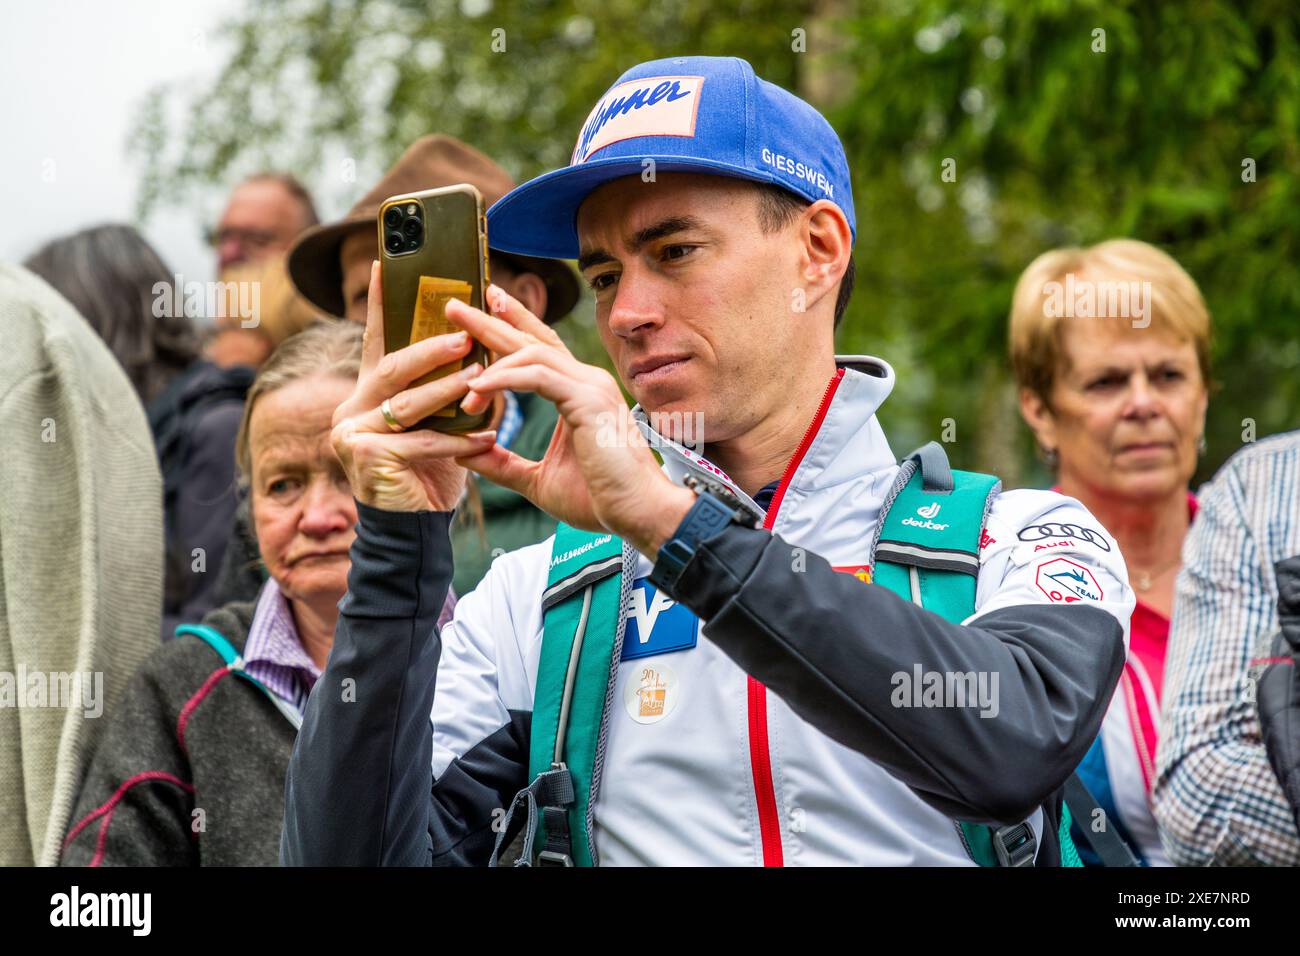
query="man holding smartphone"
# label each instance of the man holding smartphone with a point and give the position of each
(748, 709)
(330, 265)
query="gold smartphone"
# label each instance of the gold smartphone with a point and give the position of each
(433, 247)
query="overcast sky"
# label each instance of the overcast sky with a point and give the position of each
(73, 74)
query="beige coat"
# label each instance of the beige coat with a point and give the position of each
(80, 556)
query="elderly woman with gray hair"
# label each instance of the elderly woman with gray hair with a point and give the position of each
(192, 768)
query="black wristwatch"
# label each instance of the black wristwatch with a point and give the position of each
(715, 507)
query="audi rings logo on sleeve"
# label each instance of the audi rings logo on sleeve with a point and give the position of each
(1041, 532)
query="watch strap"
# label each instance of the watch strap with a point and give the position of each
(707, 517)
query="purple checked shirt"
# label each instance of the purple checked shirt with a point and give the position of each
(274, 654)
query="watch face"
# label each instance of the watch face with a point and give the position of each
(707, 518)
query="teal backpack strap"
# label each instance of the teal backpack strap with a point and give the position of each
(213, 638)
(586, 591)
(928, 537)
(927, 552)
(235, 662)
(1069, 852)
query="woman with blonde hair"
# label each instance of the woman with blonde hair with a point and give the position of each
(1110, 350)
(192, 767)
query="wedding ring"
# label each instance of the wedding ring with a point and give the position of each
(389, 417)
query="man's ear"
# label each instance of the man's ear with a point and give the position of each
(1038, 416)
(827, 246)
(530, 289)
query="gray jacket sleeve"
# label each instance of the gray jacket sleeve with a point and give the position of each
(831, 648)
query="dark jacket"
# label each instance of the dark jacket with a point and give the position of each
(1278, 696)
(194, 422)
(190, 771)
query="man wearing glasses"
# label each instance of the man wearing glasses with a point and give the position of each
(265, 214)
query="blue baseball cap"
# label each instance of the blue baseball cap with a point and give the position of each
(701, 114)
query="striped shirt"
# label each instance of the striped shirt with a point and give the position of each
(1216, 798)
(274, 654)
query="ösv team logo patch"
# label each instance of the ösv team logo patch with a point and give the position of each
(1065, 582)
(656, 624)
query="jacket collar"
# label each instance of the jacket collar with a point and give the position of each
(844, 442)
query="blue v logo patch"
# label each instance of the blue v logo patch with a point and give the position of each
(656, 624)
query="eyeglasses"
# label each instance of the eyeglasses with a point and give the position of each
(251, 238)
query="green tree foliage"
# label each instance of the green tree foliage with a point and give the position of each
(1071, 123)
(1066, 123)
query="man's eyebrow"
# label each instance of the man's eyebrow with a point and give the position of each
(593, 258)
(651, 233)
(662, 228)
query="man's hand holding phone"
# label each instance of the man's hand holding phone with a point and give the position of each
(598, 472)
(390, 468)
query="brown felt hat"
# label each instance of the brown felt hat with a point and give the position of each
(428, 163)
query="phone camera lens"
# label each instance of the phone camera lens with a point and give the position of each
(392, 216)
(394, 242)
(412, 228)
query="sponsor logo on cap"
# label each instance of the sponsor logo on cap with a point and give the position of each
(799, 170)
(655, 106)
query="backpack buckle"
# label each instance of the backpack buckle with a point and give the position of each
(1015, 845)
(556, 796)
(554, 858)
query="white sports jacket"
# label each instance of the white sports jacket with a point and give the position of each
(774, 711)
